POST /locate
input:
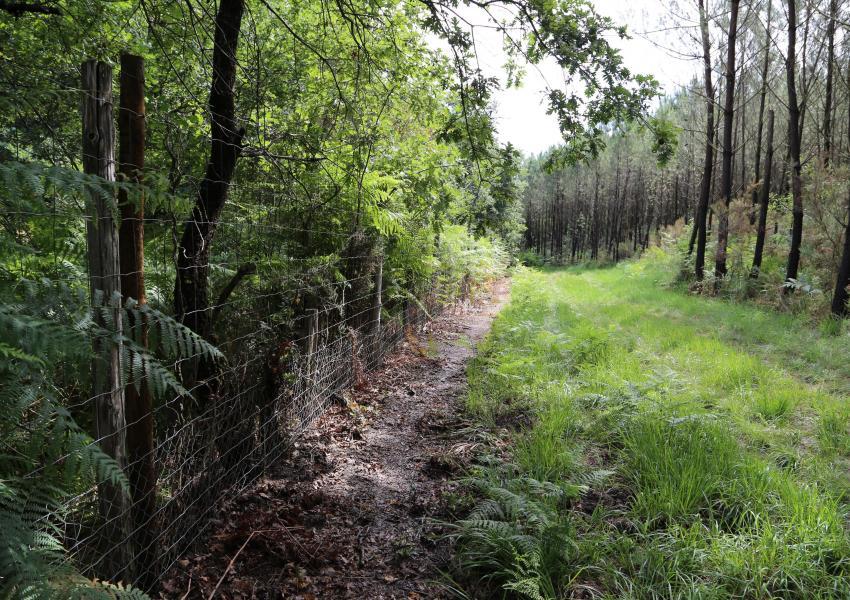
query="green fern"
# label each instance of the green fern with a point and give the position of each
(515, 539)
(26, 187)
(46, 333)
(45, 456)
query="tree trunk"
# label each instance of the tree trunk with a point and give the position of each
(675, 216)
(377, 303)
(708, 164)
(830, 60)
(105, 284)
(794, 142)
(765, 68)
(728, 126)
(191, 294)
(840, 296)
(765, 199)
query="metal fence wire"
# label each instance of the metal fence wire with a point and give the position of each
(337, 318)
(268, 394)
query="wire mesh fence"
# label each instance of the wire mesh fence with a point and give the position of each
(266, 392)
(302, 302)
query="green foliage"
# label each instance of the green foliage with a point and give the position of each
(46, 456)
(833, 433)
(678, 468)
(467, 260)
(683, 453)
(530, 258)
(665, 139)
(773, 404)
(47, 328)
(515, 539)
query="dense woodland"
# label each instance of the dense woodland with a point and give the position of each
(196, 194)
(756, 188)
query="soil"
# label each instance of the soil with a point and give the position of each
(355, 509)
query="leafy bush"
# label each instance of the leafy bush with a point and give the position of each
(468, 263)
(530, 258)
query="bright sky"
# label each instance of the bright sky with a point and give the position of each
(521, 113)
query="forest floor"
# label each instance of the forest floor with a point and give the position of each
(354, 510)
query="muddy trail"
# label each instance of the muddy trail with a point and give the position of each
(353, 510)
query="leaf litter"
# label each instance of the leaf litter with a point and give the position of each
(354, 509)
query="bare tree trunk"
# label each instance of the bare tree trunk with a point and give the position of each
(594, 249)
(805, 79)
(675, 216)
(794, 142)
(728, 150)
(708, 164)
(191, 294)
(765, 199)
(830, 60)
(765, 68)
(840, 295)
(742, 110)
(105, 283)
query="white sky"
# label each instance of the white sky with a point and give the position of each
(521, 113)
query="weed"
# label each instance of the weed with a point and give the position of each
(833, 432)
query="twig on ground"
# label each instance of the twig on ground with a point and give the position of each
(188, 589)
(230, 566)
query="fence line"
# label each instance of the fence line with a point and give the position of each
(221, 452)
(341, 313)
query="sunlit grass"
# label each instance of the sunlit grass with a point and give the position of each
(705, 445)
(774, 403)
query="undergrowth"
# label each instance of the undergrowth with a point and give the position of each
(663, 446)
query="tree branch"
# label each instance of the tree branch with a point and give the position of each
(241, 273)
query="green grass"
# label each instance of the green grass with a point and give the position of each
(662, 445)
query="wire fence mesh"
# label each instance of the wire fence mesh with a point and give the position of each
(306, 303)
(268, 391)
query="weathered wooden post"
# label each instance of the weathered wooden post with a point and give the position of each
(312, 339)
(141, 470)
(105, 285)
(355, 370)
(375, 314)
(406, 319)
(312, 347)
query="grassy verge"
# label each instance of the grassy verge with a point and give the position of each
(664, 446)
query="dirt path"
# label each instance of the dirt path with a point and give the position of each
(351, 512)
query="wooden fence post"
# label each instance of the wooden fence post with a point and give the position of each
(312, 347)
(105, 285)
(375, 314)
(141, 469)
(312, 339)
(405, 315)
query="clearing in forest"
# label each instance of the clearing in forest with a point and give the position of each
(665, 445)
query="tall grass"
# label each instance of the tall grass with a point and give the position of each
(662, 447)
